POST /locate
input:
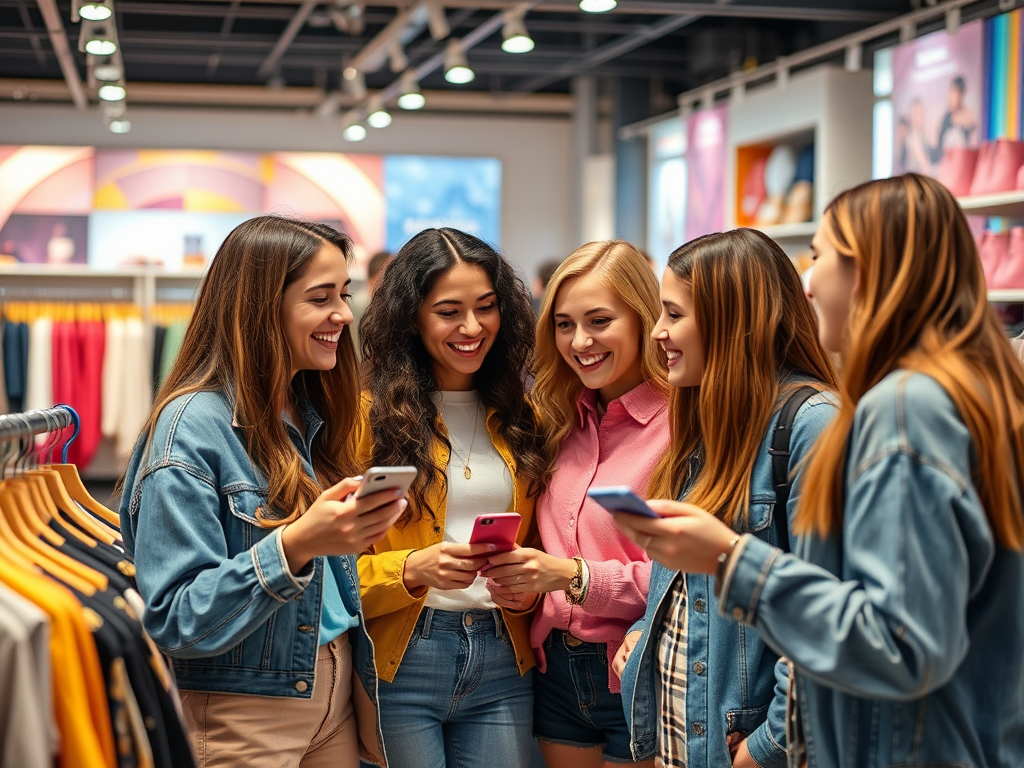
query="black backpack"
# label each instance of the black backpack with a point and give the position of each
(780, 462)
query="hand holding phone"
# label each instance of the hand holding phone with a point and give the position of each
(386, 478)
(500, 529)
(620, 498)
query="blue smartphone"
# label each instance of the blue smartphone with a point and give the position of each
(620, 498)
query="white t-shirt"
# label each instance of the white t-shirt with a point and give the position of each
(489, 490)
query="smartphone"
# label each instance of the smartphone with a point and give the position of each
(620, 498)
(499, 529)
(384, 479)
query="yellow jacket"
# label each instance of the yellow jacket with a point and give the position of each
(389, 609)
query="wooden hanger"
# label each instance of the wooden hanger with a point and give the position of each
(68, 515)
(77, 490)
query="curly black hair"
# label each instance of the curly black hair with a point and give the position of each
(399, 373)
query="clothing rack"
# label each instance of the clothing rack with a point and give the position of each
(31, 423)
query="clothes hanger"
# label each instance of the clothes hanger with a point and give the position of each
(13, 496)
(73, 481)
(66, 513)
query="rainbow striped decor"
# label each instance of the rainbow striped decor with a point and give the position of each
(1003, 110)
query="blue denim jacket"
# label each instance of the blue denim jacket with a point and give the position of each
(734, 682)
(220, 599)
(906, 631)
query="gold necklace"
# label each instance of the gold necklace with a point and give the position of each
(466, 471)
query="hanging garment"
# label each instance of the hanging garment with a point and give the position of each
(172, 343)
(28, 735)
(15, 342)
(159, 334)
(112, 377)
(136, 395)
(90, 347)
(39, 387)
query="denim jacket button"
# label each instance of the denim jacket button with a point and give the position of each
(737, 613)
(306, 628)
(699, 667)
(301, 686)
(698, 729)
(698, 605)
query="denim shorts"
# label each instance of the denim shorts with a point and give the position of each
(571, 702)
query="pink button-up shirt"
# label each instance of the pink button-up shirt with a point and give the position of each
(620, 449)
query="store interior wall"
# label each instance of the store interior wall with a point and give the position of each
(535, 152)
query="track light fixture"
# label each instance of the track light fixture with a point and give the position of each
(456, 67)
(396, 56)
(437, 21)
(97, 38)
(597, 6)
(112, 92)
(92, 10)
(378, 117)
(355, 132)
(411, 97)
(515, 38)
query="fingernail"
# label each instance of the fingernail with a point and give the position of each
(491, 547)
(358, 478)
(403, 504)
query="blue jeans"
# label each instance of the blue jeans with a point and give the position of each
(458, 700)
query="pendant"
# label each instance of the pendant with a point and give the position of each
(467, 472)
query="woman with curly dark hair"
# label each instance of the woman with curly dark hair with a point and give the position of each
(447, 342)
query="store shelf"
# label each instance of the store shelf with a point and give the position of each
(1013, 295)
(76, 270)
(791, 233)
(999, 204)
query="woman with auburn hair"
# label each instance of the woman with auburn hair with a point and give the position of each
(902, 610)
(447, 342)
(742, 344)
(601, 398)
(236, 507)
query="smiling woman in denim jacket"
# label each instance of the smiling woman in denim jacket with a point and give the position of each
(704, 689)
(902, 609)
(447, 341)
(245, 562)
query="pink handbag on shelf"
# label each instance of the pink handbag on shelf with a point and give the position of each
(994, 251)
(1007, 159)
(956, 171)
(1012, 273)
(982, 170)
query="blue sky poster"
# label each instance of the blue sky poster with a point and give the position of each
(459, 192)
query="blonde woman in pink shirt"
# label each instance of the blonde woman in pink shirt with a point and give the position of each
(601, 397)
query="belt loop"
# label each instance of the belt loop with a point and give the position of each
(428, 616)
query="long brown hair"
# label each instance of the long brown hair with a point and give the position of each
(921, 306)
(756, 328)
(399, 373)
(235, 344)
(556, 388)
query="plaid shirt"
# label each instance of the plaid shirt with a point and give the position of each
(672, 680)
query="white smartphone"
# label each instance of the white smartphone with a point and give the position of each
(384, 479)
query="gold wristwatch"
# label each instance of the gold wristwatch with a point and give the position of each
(574, 594)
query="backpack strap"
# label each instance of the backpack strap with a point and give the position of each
(780, 461)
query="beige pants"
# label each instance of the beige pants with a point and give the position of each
(230, 729)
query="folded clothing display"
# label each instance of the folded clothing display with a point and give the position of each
(1002, 258)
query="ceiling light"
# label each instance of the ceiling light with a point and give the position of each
(381, 118)
(378, 117)
(112, 92)
(354, 132)
(437, 21)
(97, 10)
(515, 37)
(120, 126)
(100, 46)
(107, 72)
(411, 97)
(597, 6)
(456, 67)
(396, 56)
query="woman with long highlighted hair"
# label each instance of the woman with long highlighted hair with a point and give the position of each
(742, 341)
(902, 609)
(601, 399)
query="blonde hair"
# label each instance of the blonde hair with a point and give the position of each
(756, 326)
(922, 306)
(556, 388)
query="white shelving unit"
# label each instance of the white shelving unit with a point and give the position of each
(1008, 204)
(791, 234)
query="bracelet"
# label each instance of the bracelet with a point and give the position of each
(723, 566)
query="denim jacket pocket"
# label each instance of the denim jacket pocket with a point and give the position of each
(759, 519)
(745, 721)
(248, 507)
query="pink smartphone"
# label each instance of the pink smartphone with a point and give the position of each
(500, 529)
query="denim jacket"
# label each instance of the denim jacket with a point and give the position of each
(905, 629)
(220, 599)
(735, 684)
